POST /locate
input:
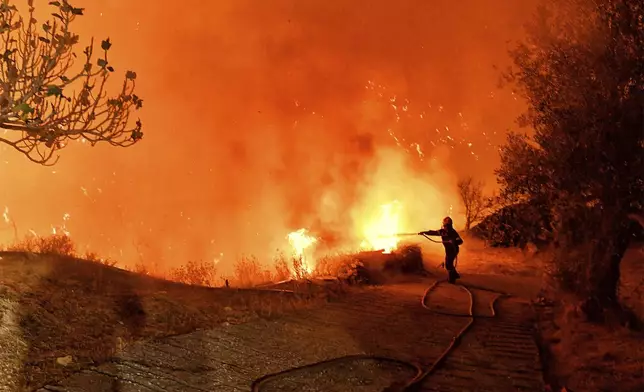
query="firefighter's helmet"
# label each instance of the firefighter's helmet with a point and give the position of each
(447, 222)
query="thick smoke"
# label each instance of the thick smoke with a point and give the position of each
(264, 117)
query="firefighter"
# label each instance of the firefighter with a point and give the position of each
(451, 242)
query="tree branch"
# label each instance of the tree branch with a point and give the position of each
(36, 71)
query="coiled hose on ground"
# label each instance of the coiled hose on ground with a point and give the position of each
(421, 374)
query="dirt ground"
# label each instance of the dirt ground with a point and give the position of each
(375, 322)
(578, 355)
(62, 314)
(589, 357)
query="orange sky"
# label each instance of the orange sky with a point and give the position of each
(256, 111)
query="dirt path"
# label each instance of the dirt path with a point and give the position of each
(496, 355)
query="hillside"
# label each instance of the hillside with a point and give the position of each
(61, 314)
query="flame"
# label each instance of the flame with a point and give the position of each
(5, 215)
(300, 240)
(381, 231)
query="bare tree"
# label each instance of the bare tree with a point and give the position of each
(46, 98)
(475, 203)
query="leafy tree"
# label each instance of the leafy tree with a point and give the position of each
(581, 71)
(47, 98)
(476, 205)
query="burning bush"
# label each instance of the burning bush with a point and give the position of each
(408, 259)
(198, 273)
(377, 267)
(340, 265)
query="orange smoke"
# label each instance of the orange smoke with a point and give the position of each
(335, 112)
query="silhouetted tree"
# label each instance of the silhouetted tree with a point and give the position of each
(46, 99)
(516, 225)
(581, 71)
(476, 205)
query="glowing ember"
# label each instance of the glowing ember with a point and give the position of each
(300, 240)
(63, 228)
(381, 232)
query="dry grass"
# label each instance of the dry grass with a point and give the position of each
(90, 310)
(477, 258)
(58, 244)
(55, 244)
(282, 270)
(588, 357)
(249, 272)
(198, 273)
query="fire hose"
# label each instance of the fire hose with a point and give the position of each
(441, 265)
(414, 383)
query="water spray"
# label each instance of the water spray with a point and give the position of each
(412, 235)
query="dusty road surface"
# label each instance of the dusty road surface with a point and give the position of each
(495, 355)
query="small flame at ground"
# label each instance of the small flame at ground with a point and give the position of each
(381, 232)
(300, 240)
